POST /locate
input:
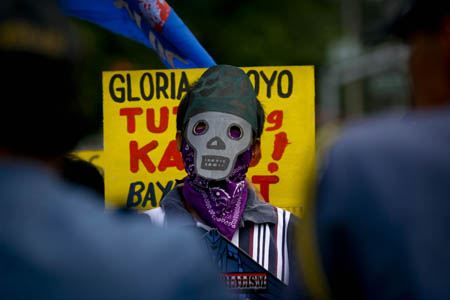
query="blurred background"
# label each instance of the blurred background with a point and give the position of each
(354, 77)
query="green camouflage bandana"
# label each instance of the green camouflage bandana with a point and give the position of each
(227, 89)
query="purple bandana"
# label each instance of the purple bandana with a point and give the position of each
(219, 203)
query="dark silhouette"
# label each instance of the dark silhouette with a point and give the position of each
(381, 219)
(56, 242)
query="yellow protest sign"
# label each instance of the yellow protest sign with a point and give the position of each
(141, 160)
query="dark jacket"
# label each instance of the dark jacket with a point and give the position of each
(56, 242)
(383, 209)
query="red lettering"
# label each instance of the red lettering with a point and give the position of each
(175, 110)
(131, 113)
(279, 145)
(137, 155)
(276, 118)
(264, 183)
(163, 120)
(171, 158)
(272, 167)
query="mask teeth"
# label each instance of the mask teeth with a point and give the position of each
(215, 163)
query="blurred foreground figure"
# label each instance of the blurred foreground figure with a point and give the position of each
(381, 220)
(55, 240)
(83, 174)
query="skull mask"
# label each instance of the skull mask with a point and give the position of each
(217, 139)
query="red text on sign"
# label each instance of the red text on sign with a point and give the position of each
(170, 158)
(264, 184)
(275, 118)
(131, 114)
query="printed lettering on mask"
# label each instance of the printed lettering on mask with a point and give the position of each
(218, 139)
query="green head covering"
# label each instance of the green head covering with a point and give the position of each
(226, 89)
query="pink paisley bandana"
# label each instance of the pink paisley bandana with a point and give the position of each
(219, 203)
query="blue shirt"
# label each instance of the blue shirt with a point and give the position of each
(383, 209)
(57, 243)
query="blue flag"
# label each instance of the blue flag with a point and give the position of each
(150, 22)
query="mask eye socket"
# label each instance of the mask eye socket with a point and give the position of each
(235, 132)
(201, 127)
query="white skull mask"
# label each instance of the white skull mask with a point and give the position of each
(218, 139)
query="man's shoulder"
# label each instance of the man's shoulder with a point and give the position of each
(393, 133)
(376, 130)
(173, 197)
(286, 212)
(393, 160)
(60, 232)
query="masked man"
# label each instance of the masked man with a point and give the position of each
(219, 125)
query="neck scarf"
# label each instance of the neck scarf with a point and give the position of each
(219, 203)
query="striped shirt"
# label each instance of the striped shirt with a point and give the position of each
(265, 233)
